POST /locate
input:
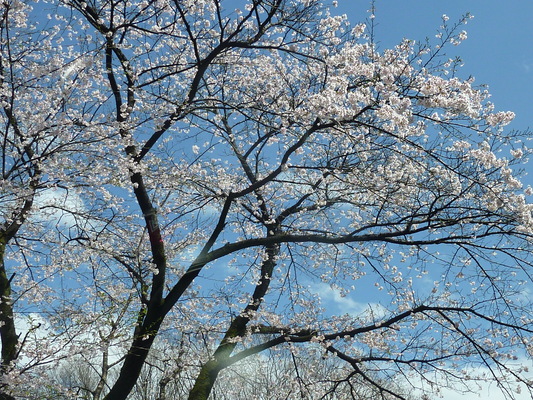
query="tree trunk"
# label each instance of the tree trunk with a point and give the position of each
(132, 366)
(8, 333)
(209, 372)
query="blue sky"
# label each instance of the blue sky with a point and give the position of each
(498, 51)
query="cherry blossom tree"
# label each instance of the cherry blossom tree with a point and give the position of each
(184, 184)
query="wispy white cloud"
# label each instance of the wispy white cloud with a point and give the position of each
(485, 391)
(479, 388)
(334, 300)
(58, 206)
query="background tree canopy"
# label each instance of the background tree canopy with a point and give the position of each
(184, 182)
